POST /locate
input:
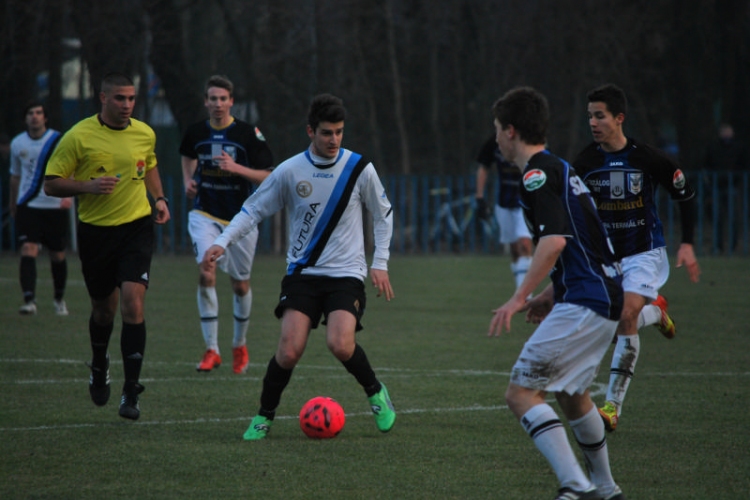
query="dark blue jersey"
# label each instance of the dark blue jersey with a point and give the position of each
(509, 180)
(221, 194)
(624, 185)
(556, 203)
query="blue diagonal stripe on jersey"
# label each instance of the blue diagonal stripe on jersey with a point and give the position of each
(41, 167)
(332, 213)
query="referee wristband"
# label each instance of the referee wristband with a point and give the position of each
(166, 200)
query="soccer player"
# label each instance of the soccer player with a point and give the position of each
(578, 310)
(513, 229)
(40, 219)
(623, 175)
(223, 159)
(108, 162)
(324, 190)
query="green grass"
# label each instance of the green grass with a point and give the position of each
(683, 434)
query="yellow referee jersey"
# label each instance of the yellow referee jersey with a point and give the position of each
(91, 149)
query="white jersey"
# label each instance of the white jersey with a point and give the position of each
(324, 200)
(28, 160)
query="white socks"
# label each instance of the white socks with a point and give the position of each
(208, 308)
(621, 371)
(650, 315)
(589, 432)
(544, 426)
(242, 307)
(519, 269)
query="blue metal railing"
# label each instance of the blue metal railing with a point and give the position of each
(436, 214)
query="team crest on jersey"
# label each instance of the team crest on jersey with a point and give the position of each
(635, 183)
(304, 189)
(678, 179)
(534, 179)
(140, 169)
(259, 135)
(617, 185)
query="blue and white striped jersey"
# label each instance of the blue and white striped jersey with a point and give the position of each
(28, 160)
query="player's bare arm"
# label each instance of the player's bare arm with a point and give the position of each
(153, 184)
(686, 257)
(188, 169)
(227, 163)
(539, 307)
(62, 188)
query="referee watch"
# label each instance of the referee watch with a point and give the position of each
(164, 198)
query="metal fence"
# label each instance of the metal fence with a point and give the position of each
(436, 214)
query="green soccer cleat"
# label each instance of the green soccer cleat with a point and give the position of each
(608, 412)
(382, 409)
(259, 427)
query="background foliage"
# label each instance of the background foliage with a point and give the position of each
(418, 77)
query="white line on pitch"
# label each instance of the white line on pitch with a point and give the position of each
(597, 389)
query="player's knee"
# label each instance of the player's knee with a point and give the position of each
(343, 351)
(287, 358)
(207, 277)
(240, 288)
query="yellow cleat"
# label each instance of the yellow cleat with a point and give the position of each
(608, 412)
(665, 325)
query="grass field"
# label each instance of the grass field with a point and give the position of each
(683, 434)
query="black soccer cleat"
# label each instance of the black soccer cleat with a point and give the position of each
(129, 403)
(99, 383)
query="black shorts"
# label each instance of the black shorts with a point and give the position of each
(316, 296)
(47, 226)
(113, 254)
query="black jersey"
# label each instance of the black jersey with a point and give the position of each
(509, 181)
(221, 194)
(556, 203)
(624, 183)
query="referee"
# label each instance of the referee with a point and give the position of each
(108, 162)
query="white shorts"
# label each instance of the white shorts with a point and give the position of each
(564, 352)
(512, 224)
(237, 261)
(645, 273)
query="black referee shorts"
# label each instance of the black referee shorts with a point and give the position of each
(113, 254)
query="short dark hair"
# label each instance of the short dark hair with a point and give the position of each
(325, 108)
(612, 96)
(115, 79)
(221, 82)
(527, 110)
(34, 104)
